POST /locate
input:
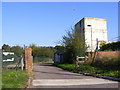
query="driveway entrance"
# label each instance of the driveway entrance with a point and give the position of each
(48, 76)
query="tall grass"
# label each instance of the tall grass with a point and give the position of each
(108, 62)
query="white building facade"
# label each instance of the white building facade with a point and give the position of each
(92, 30)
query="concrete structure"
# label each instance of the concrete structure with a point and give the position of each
(91, 30)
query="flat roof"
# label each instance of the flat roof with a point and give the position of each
(95, 18)
(91, 18)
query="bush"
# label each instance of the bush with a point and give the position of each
(111, 46)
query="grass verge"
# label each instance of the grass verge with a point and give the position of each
(14, 78)
(87, 68)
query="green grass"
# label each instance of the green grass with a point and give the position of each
(106, 66)
(87, 68)
(14, 78)
(69, 67)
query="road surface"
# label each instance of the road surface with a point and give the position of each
(48, 76)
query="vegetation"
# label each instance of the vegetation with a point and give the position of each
(74, 45)
(18, 52)
(42, 53)
(115, 46)
(16, 49)
(87, 68)
(39, 53)
(14, 79)
(69, 67)
(102, 67)
(6, 47)
(102, 43)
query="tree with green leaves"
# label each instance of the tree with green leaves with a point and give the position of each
(74, 43)
(114, 46)
(39, 53)
(6, 47)
(17, 50)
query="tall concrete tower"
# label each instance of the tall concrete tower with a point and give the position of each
(92, 29)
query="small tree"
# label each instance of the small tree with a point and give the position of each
(79, 44)
(68, 42)
(74, 45)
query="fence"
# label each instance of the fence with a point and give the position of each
(83, 61)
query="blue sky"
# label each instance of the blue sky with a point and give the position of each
(44, 24)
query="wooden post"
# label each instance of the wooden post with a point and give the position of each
(28, 60)
(22, 64)
(94, 54)
(77, 63)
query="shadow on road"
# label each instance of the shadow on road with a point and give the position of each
(51, 65)
(54, 73)
(43, 64)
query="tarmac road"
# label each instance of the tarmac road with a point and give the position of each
(48, 76)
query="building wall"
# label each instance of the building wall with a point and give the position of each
(108, 54)
(97, 30)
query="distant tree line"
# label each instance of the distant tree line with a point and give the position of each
(37, 51)
(42, 52)
(18, 50)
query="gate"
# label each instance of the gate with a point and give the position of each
(11, 61)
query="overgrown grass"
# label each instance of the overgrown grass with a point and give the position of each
(14, 78)
(69, 67)
(109, 71)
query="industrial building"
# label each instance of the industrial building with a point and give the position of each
(92, 30)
